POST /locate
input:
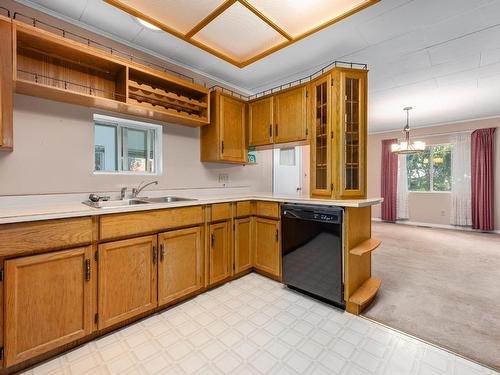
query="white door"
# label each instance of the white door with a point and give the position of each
(287, 173)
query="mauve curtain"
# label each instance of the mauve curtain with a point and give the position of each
(482, 148)
(389, 179)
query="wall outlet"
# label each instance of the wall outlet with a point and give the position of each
(443, 213)
(223, 178)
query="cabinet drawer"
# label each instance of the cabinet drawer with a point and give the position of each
(243, 208)
(44, 235)
(268, 209)
(221, 211)
(130, 224)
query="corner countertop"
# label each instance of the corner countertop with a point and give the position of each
(34, 208)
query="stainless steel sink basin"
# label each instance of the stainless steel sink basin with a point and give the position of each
(135, 201)
(167, 199)
(116, 203)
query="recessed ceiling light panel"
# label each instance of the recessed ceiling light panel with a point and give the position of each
(241, 31)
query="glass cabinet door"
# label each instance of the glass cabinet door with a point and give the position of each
(353, 137)
(321, 130)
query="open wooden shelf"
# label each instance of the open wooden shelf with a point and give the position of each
(168, 97)
(60, 69)
(366, 247)
(365, 294)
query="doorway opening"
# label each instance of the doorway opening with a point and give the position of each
(291, 171)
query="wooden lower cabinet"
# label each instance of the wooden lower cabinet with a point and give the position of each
(127, 279)
(219, 241)
(243, 253)
(48, 302)
(267, 255)
(180, 267)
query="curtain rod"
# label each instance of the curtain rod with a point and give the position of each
(442, 134)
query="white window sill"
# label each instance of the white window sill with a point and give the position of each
(126, 173)
(429, 192)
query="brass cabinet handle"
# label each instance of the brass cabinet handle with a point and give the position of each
(162, 252)
(155, 254)
(212, 241)
(270, 130)
(277, 235)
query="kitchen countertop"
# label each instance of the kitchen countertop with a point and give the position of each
(33, 209)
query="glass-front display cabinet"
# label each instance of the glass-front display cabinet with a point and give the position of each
(339, 131)
(320, 138)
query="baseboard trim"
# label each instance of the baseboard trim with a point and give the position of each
(434, 225)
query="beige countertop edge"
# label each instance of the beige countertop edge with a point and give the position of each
(77, 209)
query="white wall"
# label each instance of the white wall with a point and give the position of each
(53, 153)
(432, 208)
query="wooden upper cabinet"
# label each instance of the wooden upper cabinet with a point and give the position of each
(232, 126)
(6, 86)
(260, 122)
(353, 134)
(339, 132)
(180, 266)
(290, 115)
(58, 68)
(127, 279)
(219, 248)
(224, 140)
(48, 302)
(267, 255)
(243, 252)
(321, 137)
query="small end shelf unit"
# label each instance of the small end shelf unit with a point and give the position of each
(58, 68)
(360, 286)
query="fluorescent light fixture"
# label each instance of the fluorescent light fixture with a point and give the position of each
(147, 24)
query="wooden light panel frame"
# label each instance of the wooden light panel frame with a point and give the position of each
(188, 36)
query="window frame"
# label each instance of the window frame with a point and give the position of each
(121, 125)
(431, 172)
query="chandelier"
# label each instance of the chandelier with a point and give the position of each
(405, 146)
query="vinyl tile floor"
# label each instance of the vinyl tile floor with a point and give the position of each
(254, 325)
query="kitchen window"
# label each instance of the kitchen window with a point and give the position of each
(126, 147)
(430, 170)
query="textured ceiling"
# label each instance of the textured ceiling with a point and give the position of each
(440, 56)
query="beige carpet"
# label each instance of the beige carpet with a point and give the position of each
(442, 286)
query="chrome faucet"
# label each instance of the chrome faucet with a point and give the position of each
(138, 189)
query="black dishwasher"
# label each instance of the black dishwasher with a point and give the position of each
(312, 251)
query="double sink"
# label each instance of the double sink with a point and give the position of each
(135, 201)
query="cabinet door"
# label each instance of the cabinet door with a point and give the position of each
(290, 110)
(321, 168)
(127, 279)
(242, 244)
(48, 302)
(232, 128)
(219, 252)
(352, 158)
(267, 246)
(6, 85)
(260, 122)
(180, 269)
